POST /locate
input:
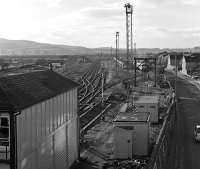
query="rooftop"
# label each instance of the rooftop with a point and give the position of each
(147, 99)
(24, 90)
(132, 117)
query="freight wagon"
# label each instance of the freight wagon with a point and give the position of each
(38, 121)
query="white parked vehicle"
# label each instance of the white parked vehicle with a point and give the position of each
(197, 132)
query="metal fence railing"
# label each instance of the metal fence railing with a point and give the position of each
(158, 158)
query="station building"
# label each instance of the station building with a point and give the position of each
(38, 121)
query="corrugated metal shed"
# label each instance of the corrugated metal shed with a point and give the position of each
(23, 90)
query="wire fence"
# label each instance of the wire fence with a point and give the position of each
(160, 152)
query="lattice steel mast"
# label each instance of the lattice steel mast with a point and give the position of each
(117, 51)
(129, 33)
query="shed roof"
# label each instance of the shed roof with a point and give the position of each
(24, 90)
(147, 99)
(132, 117)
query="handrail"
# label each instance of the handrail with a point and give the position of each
(161, 134)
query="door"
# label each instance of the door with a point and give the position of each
(123, 143)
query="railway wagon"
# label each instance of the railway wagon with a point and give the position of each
(38, 121)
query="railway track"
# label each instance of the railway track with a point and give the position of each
(89, 109)
(89, 85)
(90, 88)
(91, 116)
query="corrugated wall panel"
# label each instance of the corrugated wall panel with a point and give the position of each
(59, 110)
(62, 108)
(72, 104)
(28, 162)
(55, 113)
(43, 124)
(27, 127)
(76, 101)
(45, 155)
(38, 122)
(68, 106)
(23, 131)
(51, 116)
(67, 148)
(34, 126)
(65, 107)
(72, 141)
(48, 117)
(60, 149)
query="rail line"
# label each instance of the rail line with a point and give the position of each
(90, 88)
(89, 118)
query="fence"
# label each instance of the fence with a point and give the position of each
(158, 158)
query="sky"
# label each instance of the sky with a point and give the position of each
(93, 23)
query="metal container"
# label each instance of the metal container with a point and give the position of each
(131, 135)
(148, 104)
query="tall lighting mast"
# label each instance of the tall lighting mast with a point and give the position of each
(129, 32)
(117, 51)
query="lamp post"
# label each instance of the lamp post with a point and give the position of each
(117, 51)
(175, 77)
(102, 86)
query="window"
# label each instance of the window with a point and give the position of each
(4, 121)
(4, 131)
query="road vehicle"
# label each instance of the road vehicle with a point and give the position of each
(197, 132)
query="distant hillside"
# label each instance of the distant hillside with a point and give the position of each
(25, 47)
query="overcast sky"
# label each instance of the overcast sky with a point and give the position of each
(93, 23)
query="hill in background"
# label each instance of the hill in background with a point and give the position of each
(25, 47)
